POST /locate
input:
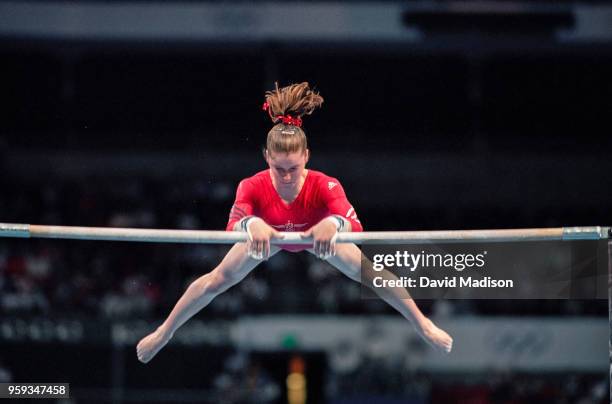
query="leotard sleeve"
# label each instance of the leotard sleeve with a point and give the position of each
(244, 205)
(334, 198)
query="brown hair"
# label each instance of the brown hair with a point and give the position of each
(295, 100)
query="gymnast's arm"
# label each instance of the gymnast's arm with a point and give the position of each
(242, 218)
(342, 218)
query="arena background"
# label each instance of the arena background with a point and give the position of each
(437, 115)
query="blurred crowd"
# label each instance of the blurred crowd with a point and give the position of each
(502, 388)
(367, 377)
(517, 388)
(119, 280)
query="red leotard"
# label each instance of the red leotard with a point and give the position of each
(319, 197)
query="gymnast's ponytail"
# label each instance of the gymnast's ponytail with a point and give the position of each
(286, 106)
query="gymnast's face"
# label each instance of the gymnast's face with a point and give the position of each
(287, 168)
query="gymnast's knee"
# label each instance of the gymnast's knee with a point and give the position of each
(215, 282)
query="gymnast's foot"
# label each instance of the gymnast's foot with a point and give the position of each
(436, 337)
(150, 345)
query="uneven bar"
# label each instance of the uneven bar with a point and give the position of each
(230, 237)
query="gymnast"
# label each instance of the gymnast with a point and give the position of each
(286, 197)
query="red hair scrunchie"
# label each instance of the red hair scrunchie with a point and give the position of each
(286, 119)
(289, 120)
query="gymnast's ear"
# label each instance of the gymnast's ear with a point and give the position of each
(307, 155)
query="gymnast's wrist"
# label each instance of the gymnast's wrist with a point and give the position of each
(246, 221)
(337, 221)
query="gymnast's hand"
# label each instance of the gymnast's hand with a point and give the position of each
(260, 233)
(324, 236)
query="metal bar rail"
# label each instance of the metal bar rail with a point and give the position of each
(230, 237)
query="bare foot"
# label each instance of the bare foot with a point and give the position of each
(436, 337)
(150, 345)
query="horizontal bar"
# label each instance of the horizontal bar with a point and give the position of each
(14, 230)
(231, 237)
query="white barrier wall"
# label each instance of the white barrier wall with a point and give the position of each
(480, 344)
(256, 22)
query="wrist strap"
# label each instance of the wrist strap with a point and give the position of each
(244, 223)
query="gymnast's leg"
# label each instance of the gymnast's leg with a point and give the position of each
(233, 268)
(348, 260)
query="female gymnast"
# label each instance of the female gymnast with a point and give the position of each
(286, 197)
